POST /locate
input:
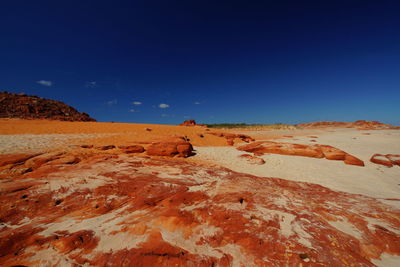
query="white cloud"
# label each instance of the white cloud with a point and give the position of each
(132, 110)
(112, 102)
(197, 103)
(163, 106)
(45, 83)
(164, 115)
(91, 84)
(137, 103)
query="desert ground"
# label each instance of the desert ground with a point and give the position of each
(120, 194)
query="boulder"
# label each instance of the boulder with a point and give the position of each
(170, 148)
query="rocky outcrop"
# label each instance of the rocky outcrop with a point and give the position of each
(356, 124)
(170, 147)
(191, 123)
(313, 151)
(388, 160)
(360, 124)
(128, 210)
(188, 123)
(33, 107)
(230, 137)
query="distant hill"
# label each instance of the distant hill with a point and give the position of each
(33, 107)
(361, 124)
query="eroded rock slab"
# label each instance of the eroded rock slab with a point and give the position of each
(388, 160)
(313, 151)
(124, 210)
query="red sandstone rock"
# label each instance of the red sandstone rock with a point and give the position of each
(132, 149)
(164, 212)
(351, 160)
(33, 107)
(314, 151)
(70, 159)
(283, 148)
(395, 159)
(15, 158)
(170, 148)
(333, 153)
(188, 123)
(383, 160)
(253, 160)
(39, 160)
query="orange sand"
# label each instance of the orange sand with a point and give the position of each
(122, 133)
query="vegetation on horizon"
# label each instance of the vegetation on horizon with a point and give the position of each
(250, 126)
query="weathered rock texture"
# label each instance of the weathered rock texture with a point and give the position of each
(360, 124)
(33, 107)
(313, 151)
(252, 159)
(170, 147)
(388, 160)
(124, 210)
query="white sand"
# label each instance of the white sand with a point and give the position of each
(372, 180)
(25, 143)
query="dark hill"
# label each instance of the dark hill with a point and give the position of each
(33, 107)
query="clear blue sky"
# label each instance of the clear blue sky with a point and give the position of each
(213, 61)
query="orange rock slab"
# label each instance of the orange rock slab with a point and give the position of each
(313, 151)
(128, 210)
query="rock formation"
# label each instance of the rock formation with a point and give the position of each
(33, 107)
(188, 123)
(170, 147)
(124, 210)
(313, 151)
(388, 160)
(230, 137)
(360, 124)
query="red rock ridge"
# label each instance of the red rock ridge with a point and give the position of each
(360, 124)
(33, 107)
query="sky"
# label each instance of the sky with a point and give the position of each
(213, 61)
